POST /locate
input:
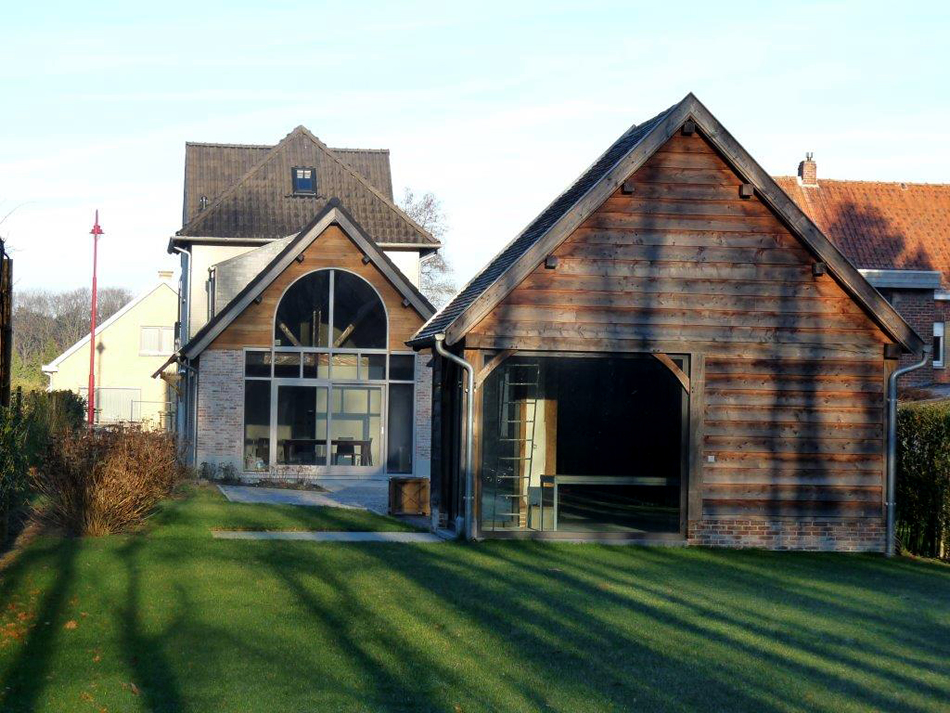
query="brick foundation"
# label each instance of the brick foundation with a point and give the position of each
(825, 535)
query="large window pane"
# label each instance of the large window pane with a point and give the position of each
(286, 365)
(303, 316)
(399, 457)
(359, 319)
(257, 364)
(301, 425)
(316, 366)
(402, 367)
(356, 425)
(582, 445)
(256, 425)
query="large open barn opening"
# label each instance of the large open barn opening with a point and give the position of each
(577, 444)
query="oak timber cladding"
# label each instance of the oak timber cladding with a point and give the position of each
(675, 261)
(331, 249)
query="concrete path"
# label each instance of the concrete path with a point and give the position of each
(349, 493)
(403, 537)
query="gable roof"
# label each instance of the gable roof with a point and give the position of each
(597, 183)
(53, 366)
(212, 168)
(881, 226)
(254, 201)
(332, 214)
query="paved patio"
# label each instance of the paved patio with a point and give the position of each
(372, 495)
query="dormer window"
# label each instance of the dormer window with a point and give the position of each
(304, 181)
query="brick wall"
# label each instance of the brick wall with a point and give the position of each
(220, 413)
(917, 307)
(423, 445)
(826, 535)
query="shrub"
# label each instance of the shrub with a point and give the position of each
(14, 431)
(102, 482)
(48, 414)
(923, 479)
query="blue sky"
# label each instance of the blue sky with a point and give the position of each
(495, 108)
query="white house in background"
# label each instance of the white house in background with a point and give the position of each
(130, 346)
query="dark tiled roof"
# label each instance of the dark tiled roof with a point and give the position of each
(881, 226)
(250, 195)
(536, 229)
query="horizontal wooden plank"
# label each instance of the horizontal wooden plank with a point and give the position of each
(679, 191)
(678, 205)
(773, 491)
(791, 462)
(684, 269)
(652, 316)
(746, 224)
(791, 367)
(750, 444)
(703, 239)
(770, 350)
(768, 429)
(681, 159)
(871, 414)
(695, 176)
(783, 399)
(685, 333)
(685, 253)
(791, 382)
(685, 283)
(766, 477)
(780, 508)
(629, 299)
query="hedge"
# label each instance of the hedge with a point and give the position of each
(923, 479)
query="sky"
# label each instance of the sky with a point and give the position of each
(494, 107)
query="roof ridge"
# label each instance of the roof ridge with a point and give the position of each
(871, 182)
(340, 150)
(217, 145)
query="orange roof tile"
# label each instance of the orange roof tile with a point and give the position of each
(881, 226)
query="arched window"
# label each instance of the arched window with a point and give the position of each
(331, 309)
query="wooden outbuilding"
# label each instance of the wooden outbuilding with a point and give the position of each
(670, 351)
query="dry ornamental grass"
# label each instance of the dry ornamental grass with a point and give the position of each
(103, 482)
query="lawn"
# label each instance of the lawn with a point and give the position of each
(173, 620)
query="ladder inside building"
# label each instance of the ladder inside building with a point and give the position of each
(518, 407)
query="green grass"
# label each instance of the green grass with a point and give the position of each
(197, 624)
(203, 509)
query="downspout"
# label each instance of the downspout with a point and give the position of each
(469, 423)
(184, 336)
(191, 376)
(892, 446)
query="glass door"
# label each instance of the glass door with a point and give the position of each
(336, 427)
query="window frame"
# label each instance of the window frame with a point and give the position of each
(330, 382)
(162, 331)
(940, 359)
(313, 181)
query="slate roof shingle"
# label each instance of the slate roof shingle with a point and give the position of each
(537, 228)
(881, 226)
(249, 192)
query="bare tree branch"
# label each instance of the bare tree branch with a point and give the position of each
(437, 280)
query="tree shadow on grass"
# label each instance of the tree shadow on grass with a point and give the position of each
(26, 677)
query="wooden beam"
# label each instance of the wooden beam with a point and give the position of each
(495, 362)
(674, 369)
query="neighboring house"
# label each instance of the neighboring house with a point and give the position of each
(898, 235)
(670, 351)
(299, 290)
(130, 345)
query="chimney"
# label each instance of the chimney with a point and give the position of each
(165, 275)
(808, 171)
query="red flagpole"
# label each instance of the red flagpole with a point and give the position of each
(91, 406)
